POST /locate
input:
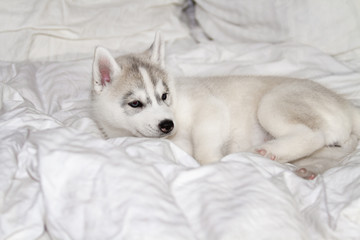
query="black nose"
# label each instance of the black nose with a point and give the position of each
(166, 126)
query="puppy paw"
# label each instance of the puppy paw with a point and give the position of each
(306, 174)
(266, 154)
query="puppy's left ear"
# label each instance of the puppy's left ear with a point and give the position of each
(157, 50)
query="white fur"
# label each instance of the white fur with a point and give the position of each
(284, 119)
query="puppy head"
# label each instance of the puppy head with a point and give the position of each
(133, 94)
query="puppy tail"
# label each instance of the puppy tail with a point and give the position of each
(356, 121)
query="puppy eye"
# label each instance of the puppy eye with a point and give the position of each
(164, 96)
(135, 104)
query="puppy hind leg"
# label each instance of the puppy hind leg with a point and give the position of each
(294, 124)
(310, 167)
(338, 151)
(297, 142)
(324, 159)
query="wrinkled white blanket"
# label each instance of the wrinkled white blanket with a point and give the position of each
(60, 180)
(57, 171)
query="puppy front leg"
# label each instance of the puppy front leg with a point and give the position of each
(207, 150)
(208, 141)
(183, 141)
(201, 144)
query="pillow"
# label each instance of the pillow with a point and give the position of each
(332, 26)
(47, 30)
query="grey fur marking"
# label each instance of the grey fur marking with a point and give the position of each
(130, 66)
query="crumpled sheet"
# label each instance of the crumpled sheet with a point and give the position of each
(60, 180)
(332, 27)
(65, 30)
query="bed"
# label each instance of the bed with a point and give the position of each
(59, 179)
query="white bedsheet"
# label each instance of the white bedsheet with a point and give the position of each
(60, 180)
(57, 171)
(329, 25)
(63, 30)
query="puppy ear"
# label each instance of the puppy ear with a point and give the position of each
(157, 50)
(105, 68)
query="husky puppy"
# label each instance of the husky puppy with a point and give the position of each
(283, 119)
